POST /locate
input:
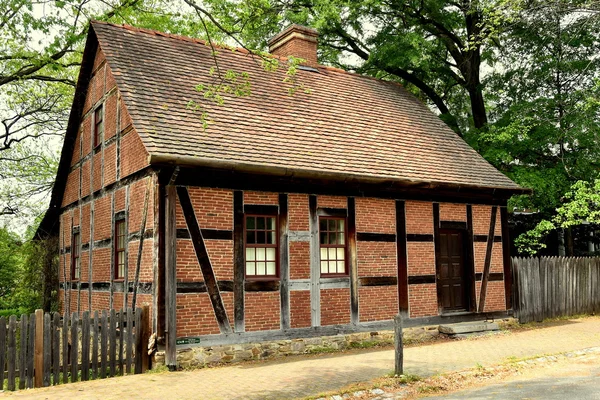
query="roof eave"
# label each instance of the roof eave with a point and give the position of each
(281, 171)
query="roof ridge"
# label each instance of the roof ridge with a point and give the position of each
(233, 48)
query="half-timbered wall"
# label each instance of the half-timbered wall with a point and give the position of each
(391, 256)
(108, 181)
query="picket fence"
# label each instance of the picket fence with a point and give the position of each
(50, 349)
(550, 287)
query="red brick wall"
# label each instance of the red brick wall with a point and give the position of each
(375, 215)
(377, 303)
(266, 198)
(422, 300)
(195, 315)
(133, 154)
(213, 208)
(377, 259)
(419, 217)
(332, 202)
(453, 212)
(298, 215)
(421, 258)
(299, 254)
(300, 309)
(262, 311)
(335, 306)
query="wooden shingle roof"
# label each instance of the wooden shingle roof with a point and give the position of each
(348, 126)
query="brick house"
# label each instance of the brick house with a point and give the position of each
(330, 210)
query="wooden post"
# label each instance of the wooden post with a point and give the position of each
(39, 348)
(170, 279)
(146, 328)
(399, 358)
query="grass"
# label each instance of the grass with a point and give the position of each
(322, 350)
(369, 344)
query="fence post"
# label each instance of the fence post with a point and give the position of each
(398, 370)
(39, 349)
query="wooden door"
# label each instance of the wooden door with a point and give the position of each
(452, 280)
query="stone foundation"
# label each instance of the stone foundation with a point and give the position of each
(199, 357)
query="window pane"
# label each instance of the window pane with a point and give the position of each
(271, 223)
(260, 222)
(250, 254)
(260, 268)
(271, 270)
(323, 238)
(323, 224)
(260, 254)
(340, 238)
(323, 253)
(250, 238)
(331, 254)
(261, 237)
(250, 270)
(340, 267)
(331, 225)
(270, 254)
(121, 227)
(340, 253)
(340, 225)
(250, 222)
(324, 267)
(271, 238)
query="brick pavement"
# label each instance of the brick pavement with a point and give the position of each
(304, 376)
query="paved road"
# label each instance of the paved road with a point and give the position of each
(296, 377)
(577, 379)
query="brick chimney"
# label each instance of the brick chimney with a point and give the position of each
(296, 40)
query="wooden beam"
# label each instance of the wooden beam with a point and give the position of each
(238, 260)
(436, 242)
(488, 260)
(353, 261)
(470, 259)
(508, 276)
(402, 261)
(315, 270)
(284, 262)
(138, 265)
(203, 259)
(170, 278)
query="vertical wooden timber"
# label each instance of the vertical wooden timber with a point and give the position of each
(488, 260)
(159, 312)
(113, 245)
(471, 258)
(170, 278)
(90, 253)
(156, 257)
(352, 260)
(508, 281)
(315, 270)
(436, 243)
(126, 273)
(284, 264)
(138, 264)
(238, 260)
(203, 259)
(402, 262)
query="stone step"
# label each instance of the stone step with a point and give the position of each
(468, 327)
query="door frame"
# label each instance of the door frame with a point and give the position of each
(466, 231)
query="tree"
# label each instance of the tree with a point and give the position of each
(41, 46)
(436, 48)
(582, 206)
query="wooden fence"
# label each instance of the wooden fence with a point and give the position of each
(50, 349)
(550, 287)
